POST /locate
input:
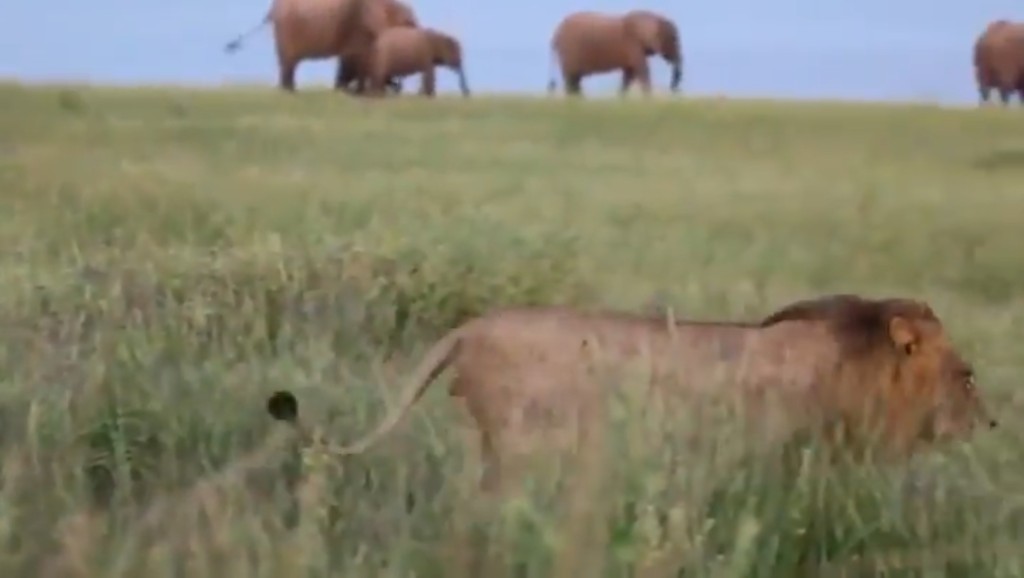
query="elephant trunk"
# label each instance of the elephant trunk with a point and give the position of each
(463, 85)
(674, 56)
(677, 75)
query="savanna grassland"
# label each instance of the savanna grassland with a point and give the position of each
(171, 257)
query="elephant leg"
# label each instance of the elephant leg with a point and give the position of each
(363, 83)
(348, 78)
(573, 84)
(339, 75)
(371, 85)
(286, 75)
(627, 79)
(427, 85)
(642, 74)
(375, 78)
(378, 87)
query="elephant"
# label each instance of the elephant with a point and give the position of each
(400, 52)
(318, 29)
(999, 60)
(590, 42)
(354, 68)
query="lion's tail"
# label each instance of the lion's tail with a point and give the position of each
(434, 362)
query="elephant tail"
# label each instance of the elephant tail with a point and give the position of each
(552, 65)
(236, 44)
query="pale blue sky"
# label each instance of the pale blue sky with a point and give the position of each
(858, 49)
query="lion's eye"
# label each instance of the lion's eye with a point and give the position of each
(969, 381)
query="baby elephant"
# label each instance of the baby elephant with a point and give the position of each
(401, 52)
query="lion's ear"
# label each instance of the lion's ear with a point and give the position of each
(902, 333)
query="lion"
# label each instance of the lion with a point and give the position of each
(823, 365)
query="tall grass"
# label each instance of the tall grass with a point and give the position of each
(170, 258)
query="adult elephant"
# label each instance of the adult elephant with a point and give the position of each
(318, 29)
(590, 42)
(400, 52)
(999, 60)
(353, 70)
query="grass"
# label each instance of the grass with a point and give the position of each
(171, 257)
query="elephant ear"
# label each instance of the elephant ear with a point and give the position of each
(639, 28)
(632, 27)
(444, 45)
(669, 36)
(452, 46)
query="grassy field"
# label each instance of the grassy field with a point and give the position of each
(171, 257)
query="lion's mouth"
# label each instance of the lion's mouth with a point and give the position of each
(950, 434)
(929, 431)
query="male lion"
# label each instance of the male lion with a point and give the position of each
(826, 365)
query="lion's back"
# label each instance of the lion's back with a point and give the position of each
(793, 351)
(530, 351)
(517, 351)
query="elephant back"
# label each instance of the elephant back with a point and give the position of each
(320, 28)
(401, 49)
(376, 16)
(581, 25)
(592, 41)
(994, 26)
(400, 14)
(1000, 39)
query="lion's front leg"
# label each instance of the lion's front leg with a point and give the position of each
(490, 476)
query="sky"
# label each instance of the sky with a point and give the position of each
(909, 50)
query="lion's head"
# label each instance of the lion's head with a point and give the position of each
(895, 355)
(929, 371)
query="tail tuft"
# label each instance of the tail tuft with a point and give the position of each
(283, 406)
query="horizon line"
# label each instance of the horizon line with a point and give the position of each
(660, 94)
